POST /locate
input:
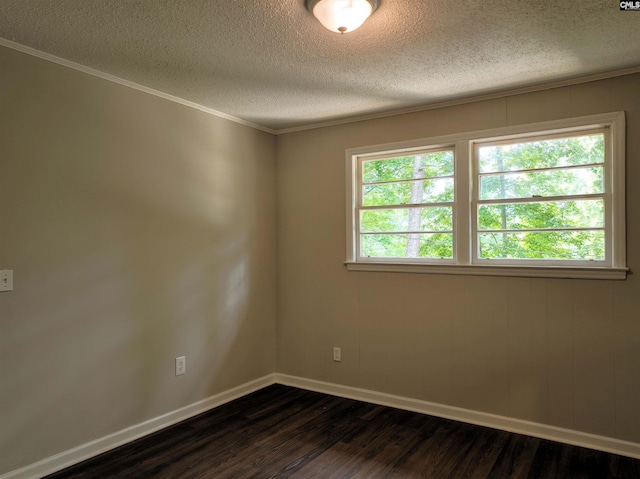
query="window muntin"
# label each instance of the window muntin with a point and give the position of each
(405, 207)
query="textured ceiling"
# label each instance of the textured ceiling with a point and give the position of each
(271, 63)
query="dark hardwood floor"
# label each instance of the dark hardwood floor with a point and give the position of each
(286, 432)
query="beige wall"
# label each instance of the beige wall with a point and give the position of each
(559, 352)
(139, 230)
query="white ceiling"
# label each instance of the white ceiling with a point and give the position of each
(271, 63)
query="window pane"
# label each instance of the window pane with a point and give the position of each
(433, 245)
(561, 245)
(577, 181)
(579, 150)
(550, 214)
(407, 219)
(410, 192)
(424, 165)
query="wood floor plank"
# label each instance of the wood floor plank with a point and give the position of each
(288, 433)
(552, 461)
(481, 455)
(516, 458)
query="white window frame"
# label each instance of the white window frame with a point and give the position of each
(465, 260)
(412, 151)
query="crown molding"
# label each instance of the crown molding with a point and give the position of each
(136, 86)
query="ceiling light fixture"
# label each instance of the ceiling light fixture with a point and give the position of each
(342, 16)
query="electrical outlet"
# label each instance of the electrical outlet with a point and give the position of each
(337, 354)
(6, 280)
(181, 365)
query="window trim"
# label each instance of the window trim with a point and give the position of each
(463, 228)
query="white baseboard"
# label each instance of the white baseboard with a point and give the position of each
(85, 451)
(568, 436)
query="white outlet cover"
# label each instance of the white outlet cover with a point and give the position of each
(181, 365)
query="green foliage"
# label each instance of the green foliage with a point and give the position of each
(556, 153)
(544, 229)
(430, 219)
(387, 194)
(565, 245)
(430, 165)
(438, 245)
(560, 152)
(578, 181)
(544, 215)
(416, 179)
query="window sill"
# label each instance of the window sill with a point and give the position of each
(482, 270)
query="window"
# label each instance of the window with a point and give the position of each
(537, 200)
(407, 206)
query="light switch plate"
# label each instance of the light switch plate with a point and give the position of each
(6, 280)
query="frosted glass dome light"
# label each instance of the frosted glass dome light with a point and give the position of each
(342, 16)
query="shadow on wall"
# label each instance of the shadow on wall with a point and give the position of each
(133, 244)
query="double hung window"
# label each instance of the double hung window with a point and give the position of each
(537, 200)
